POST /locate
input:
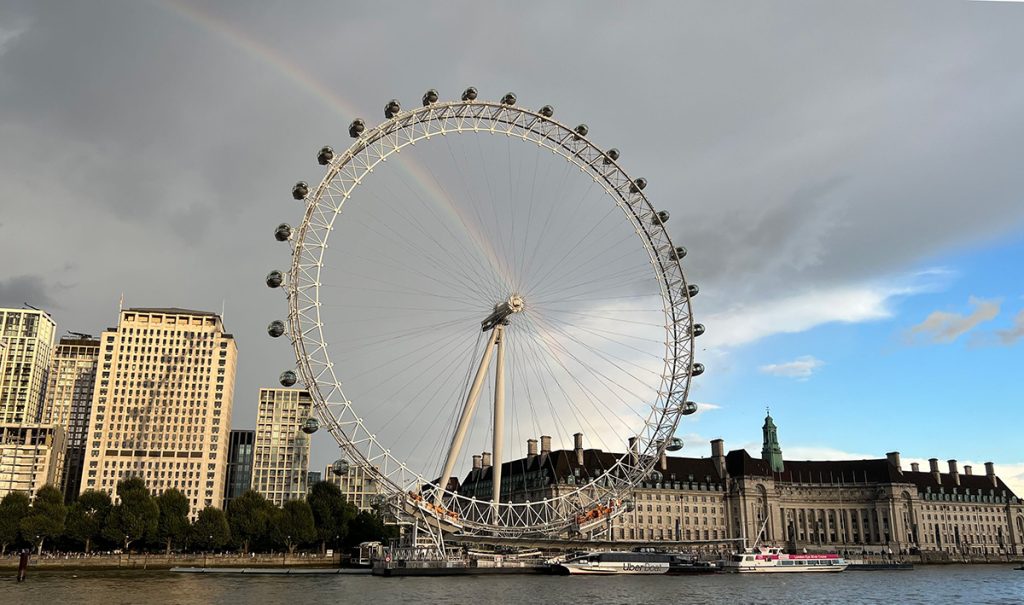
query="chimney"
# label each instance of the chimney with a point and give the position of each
(663, 461)
(968, 470)
(915, 467)
(578, 446)
(476, 462)
(894, 459)
(933, 464)
(486, 459)
(634, 454)
(990, 472)
(545, 444)
(954, 473)
(718, 456)
(531, 447)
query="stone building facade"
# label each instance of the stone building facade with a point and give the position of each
(161, 408)
(726, 500)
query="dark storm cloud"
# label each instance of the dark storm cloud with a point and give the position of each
(30, 289)
(797, 145)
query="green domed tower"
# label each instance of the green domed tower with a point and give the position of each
(771, 452)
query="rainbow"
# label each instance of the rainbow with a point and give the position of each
(293, 72)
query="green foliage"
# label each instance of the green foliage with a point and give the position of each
(210, 530)
(13, 508)
(249, 518)
(331, 513)
(172, 524)
(87, 516)
(293, 525)
(368, 527)
(46, 517)
(135, 517)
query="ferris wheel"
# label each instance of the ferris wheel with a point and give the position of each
(455, 291)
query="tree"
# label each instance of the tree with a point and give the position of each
(368, 527)
(210, 530)
(135, 517)
(249, 518)
(13, 508)
(172, 525)
(87, 516)
(46, 517)
(293, 525)
(331, 513)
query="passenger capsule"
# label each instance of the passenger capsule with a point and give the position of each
(627, 505)
(469, 94)
(660, 217)
(310, 425)
(611, 155)
(677, 253)
(547, 111)
(356, 128)
(283, 232)
(340, 467)
(288, 378)
(430, 97)
(692, 290)
(675, 444)
(655, 476)
(274, 279)
(638, 185)
(696, 369)
(689, 408)
(324, 156)
(581, 131)
(392, 108)
(697, 330)
(300, 190)
(509, 98)
(276, 328)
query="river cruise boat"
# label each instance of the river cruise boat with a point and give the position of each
(774, 560)
(616, 563)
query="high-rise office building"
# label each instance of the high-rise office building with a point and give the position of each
(162, 404)
(28, 338)
(68, 401)
(239, 468)
(282, 450)
(31, 456)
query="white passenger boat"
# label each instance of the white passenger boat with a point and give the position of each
(616, 563)
(774, 560)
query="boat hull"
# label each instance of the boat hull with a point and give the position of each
(793, 569)
(614, 569)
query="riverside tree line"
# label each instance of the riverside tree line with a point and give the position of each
(141, 521)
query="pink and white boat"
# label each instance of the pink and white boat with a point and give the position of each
(774, 560)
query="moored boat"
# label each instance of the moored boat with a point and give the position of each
(616, 563)
(774, 560)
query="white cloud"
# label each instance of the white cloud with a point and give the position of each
(945, 327)
(8, 36)
(1012, 335)
(801, 367)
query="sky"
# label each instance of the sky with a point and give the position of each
(846, 178)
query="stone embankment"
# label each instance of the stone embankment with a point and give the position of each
(75, 561)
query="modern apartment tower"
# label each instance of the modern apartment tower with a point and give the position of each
(27, 335)
(239, 469)
(68, 401)
(356, 486)
(281, 461)
(31, 456)
(162, 406)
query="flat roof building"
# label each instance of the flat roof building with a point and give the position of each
(68, 401)
(162, 404)
(356, 486)
(281, 460)
(31, 456)
(239, 467)
(28, 338)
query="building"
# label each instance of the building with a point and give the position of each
(162, 405)
(28, 338)
(68, 401)
(356, 486)
(239, 467)
(313, 477)
(281, 458)
(725, 500)
(31, 456)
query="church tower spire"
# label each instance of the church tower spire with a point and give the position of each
(770, 451)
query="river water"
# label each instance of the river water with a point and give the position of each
(995, 584)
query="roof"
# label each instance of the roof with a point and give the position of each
(171, 311)
(976, 483)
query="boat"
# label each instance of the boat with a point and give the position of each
(774, 560)
(681, 566)
(615, 563)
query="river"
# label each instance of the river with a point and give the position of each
(989, 584)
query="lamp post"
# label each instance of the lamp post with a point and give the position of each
(287, 545)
